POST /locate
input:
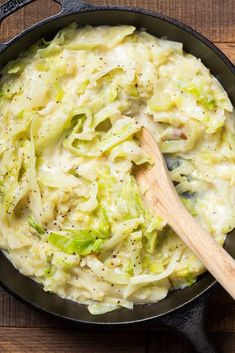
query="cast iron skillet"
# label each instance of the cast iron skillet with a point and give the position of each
(184, 309)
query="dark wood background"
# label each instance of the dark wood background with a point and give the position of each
(22, 329)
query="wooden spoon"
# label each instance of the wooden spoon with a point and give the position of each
(162, 197)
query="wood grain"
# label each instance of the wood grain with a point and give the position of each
(23, 329)
(41, 340)
(26, 17)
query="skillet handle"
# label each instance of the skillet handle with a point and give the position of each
(67, 6)
(11, 6)
(190, 323)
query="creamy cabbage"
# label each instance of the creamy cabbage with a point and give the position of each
(71, 215)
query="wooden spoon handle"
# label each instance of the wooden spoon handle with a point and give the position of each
(164, 200)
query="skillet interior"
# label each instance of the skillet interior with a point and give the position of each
(27, 289)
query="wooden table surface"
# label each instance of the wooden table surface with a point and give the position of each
(22, 329)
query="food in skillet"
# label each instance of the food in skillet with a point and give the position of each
(72, 216)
